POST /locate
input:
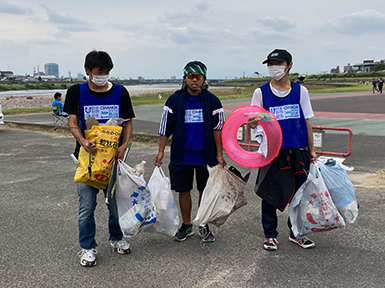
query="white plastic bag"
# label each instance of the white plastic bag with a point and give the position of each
(167, 219)
(312, 209)
(135, 209)
(340, 188)
(222, 195)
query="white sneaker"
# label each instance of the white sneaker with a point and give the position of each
(121, 246)
(87, 257)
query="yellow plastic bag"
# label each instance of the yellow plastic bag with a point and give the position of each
(106, 138)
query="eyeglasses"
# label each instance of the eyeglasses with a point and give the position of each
(192, 76)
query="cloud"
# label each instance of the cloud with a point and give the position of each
(277, 24)
(191, 35)
(10, 8)
(45, 42)
(269, 37)
(125, 27)
(202, 7)
(178, 18)
(359, 23)
(67, 23)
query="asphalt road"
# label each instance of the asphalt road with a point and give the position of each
(39, 233)
(39, 208)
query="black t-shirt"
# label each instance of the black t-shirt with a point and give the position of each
(72, 101)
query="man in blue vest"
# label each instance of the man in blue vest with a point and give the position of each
(278, 181)
(102, 100)
(194, 117)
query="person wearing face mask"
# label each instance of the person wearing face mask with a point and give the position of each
(102, 100)
(194, 118)
(278, 181)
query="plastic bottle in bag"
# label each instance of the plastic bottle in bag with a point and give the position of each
(129, 224)
(140, 168)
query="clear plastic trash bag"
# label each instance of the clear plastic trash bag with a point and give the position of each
(136, 210)
(312, 209)
(167, 219)
(340, 188)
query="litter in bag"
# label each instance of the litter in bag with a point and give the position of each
(106, 138)
(136, 210)
(312, 209)
(167, 219)
(222, 195)
(340, 188)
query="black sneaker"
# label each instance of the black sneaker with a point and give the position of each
(206, 234)
(304, 242)
(270, 244)
(184, 232)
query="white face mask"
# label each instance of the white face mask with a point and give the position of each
(276, 71)
(100, 80)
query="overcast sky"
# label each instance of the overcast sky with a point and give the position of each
(155, 39)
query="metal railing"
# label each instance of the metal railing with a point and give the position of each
(322, 128)
(245, 136)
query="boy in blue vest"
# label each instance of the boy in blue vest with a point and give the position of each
(194, 117)
(278, 181)
(82, 102)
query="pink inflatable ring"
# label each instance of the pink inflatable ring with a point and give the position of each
(245, 158)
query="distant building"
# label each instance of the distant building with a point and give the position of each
(335, 70)
(80, 76)
(45, 77)
(6, 73)
(51, 69)
(348, 68)
(366, 66)
(173, 77)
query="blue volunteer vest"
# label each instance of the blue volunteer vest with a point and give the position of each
(102, 109)
(194, 135)
(289, 114)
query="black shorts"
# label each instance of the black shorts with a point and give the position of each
(182, 177)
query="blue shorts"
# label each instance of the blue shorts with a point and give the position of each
(182, 177)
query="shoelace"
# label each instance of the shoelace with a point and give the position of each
(121, 243)
(205, 232)
(87, 252)
(271, 240)
(304, 239)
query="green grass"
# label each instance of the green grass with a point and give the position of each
(26, 110)
(11, 86)
(148, 99)
(245, 92)
(356, 88)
